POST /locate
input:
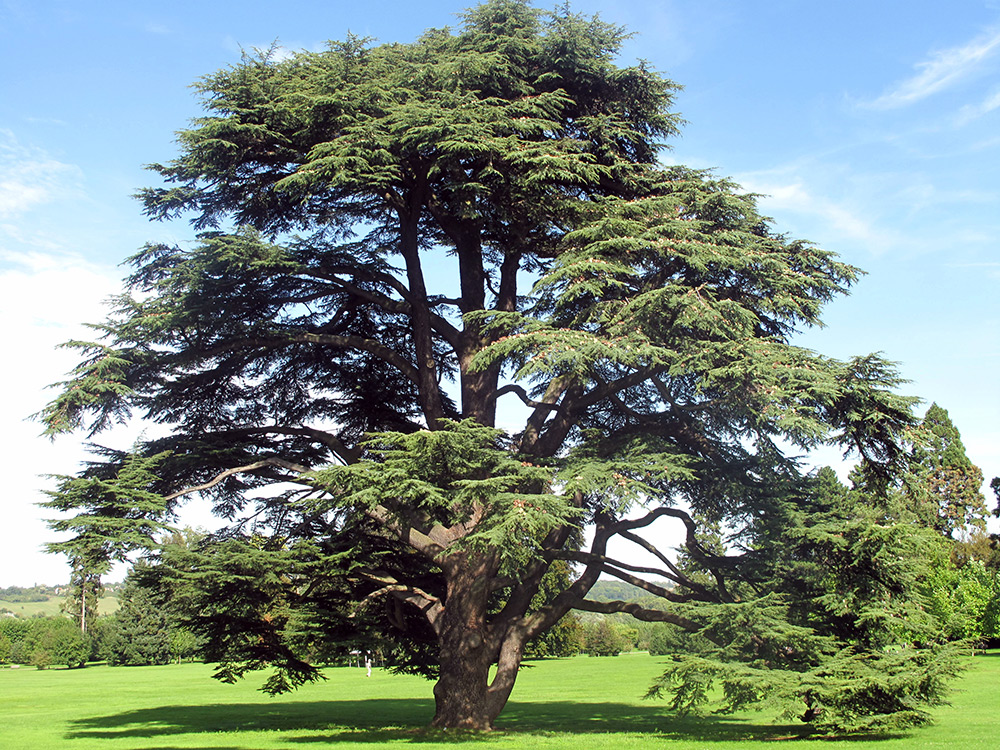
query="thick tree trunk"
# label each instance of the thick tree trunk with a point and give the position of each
(464, 696)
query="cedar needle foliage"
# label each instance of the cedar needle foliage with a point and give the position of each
(402, 247)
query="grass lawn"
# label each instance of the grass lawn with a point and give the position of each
(571, 704)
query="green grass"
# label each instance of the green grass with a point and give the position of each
(567, 704)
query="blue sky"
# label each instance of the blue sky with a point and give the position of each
(871, 129)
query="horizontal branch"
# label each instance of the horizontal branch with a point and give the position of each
(428, 604)
(335, 444)
(280, 463)
(638, 612)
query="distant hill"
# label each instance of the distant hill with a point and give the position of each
(610, 591)
(38, 604)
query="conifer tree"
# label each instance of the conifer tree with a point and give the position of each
(395, 243)
(944, 480)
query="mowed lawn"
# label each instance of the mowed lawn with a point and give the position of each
(575, 704)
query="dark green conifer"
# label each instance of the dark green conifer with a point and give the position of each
(398, 240)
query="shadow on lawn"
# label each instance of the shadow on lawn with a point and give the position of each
(380, 721)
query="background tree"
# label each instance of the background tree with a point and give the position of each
(54, 640)
(15, 630)
(139, 632)
(604, 638)
(846, 574)
(565, 638)
(394, 240)
(945, 482)
(117, 511)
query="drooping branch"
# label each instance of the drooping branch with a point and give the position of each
(675, 573)
(714, 563)
(618, 569)
(340, 449)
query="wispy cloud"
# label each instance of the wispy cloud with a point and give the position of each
(974, 111)
(29, 176)
(943, 69)
(838, 220)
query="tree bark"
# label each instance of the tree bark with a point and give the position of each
(464, 696)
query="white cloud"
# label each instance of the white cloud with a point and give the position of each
(942, 70)
(974, 111)
(29, 177)
(837, 220)
(44, 299)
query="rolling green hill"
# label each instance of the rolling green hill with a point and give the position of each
(52, 606)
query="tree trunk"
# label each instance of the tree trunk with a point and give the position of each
(464, 696)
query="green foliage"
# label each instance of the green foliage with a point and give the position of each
(391, 240)
(566, 637)
(139, 632)
(605, 638)
(118, 511)
(53, 640)
(849, 637)
(945, 484)
(964, 600)
(20, 594)
(455, 472)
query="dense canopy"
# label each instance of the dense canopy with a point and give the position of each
(447, 303)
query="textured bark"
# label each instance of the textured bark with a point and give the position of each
(464, 696)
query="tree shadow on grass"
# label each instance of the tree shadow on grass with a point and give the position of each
(393, 720)
(249, 717)
(378, 720)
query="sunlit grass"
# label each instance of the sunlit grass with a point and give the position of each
(572, 704)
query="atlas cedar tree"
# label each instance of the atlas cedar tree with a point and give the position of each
(400, 242)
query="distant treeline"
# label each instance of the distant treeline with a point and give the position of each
(39, 593)
(33, 594)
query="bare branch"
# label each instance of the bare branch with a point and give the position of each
(428, 604)
(522, 394)
(617, 569)
(639, 613)
(713, 562)
(281, 463)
